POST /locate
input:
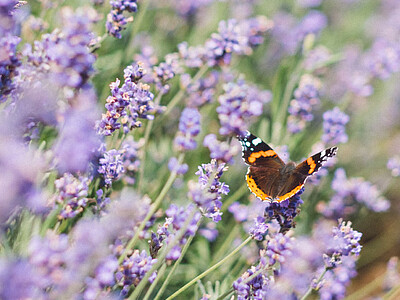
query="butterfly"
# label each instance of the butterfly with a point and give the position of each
(268, 177)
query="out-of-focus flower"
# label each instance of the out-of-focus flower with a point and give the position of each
(71, 194)
(7, 24)
(206, 193)
(335, 126)
(392, 277)
(70, 58)
(238, 105)
(130, 158)
(349, 191)
(77, 142)
(393, 165)
(174, 166)
(309, 3)
(189, 127)
(316, 58)
(220, 150)
(285, 211)
(116, 20)
(201, 91)
(383, 59)
(306, 98)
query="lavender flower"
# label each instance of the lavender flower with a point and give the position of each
(206, 193)
(238, 104)
(306, 98)
(392, 276)
(257, 287)
(192, 56)
(133, 269)
(116, 21)
(201, 91)
(7, 25)
(189, 127)
(111, 165)
(334, 126)
(71, 194)
(176, 219)
(344, 242)
(351, 191)
(48, 256)
(174, 166)
(131, 162)
(165, 71)
(9, 61)
(278, 248)
(127, 104)
(259, 229)
(393, 165)
(71, 61)
(383, 59)
(77, 141)
(220, 150)
(285, 211)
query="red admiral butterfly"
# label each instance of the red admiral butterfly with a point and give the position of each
(268, 177)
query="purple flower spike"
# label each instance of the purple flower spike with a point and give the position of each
(111, 165)
(173, 166)
(259, 229)
(189, 127)
(393, 165)
(116, 21)
(206, 193)
(306, 98)
(335, 126)
(220, 150)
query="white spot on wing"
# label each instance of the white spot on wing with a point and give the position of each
(257, 141)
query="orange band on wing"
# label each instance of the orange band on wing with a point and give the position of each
(252, 158)
(312, 165)
(291, 193)
(255, 189)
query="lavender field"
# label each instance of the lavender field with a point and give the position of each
(146, 149)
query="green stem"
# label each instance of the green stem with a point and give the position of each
(166, 281)
(154, 283)
(194, 280)
(153, 209)
(161, 257)
(226, 244)
(310, 289)
(136, 24)
(238, 193)
(146, 141)
(279, 119)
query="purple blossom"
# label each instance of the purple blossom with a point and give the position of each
(192, 56)
(111, 165)
(8, 22)
(206, 193)
(284, 212)
(209, 231)
(335, 126)
(383, 59)
(71, 194)
(176, 219)
(189, 127)
(348, 192)
(393, 165)
(133, 269)
(278, 248)
(306, 98)
(201, 91)
(19, 280)
(131, 162)
(220, 150)
(316, 58)
(127, 103)
(165, 71)
(257, 287)
(309, 3)
(174, 166)
(48, 256)
(71, 60)
(344, 242)
(188, 9)
(9, 61)
(259, 229)
(392, 276)
(238, 104)
(77, 142)
(116, 21)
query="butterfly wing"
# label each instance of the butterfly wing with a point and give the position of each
(308, 167)
(264, 166)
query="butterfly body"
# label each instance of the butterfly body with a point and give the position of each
(268, 177)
